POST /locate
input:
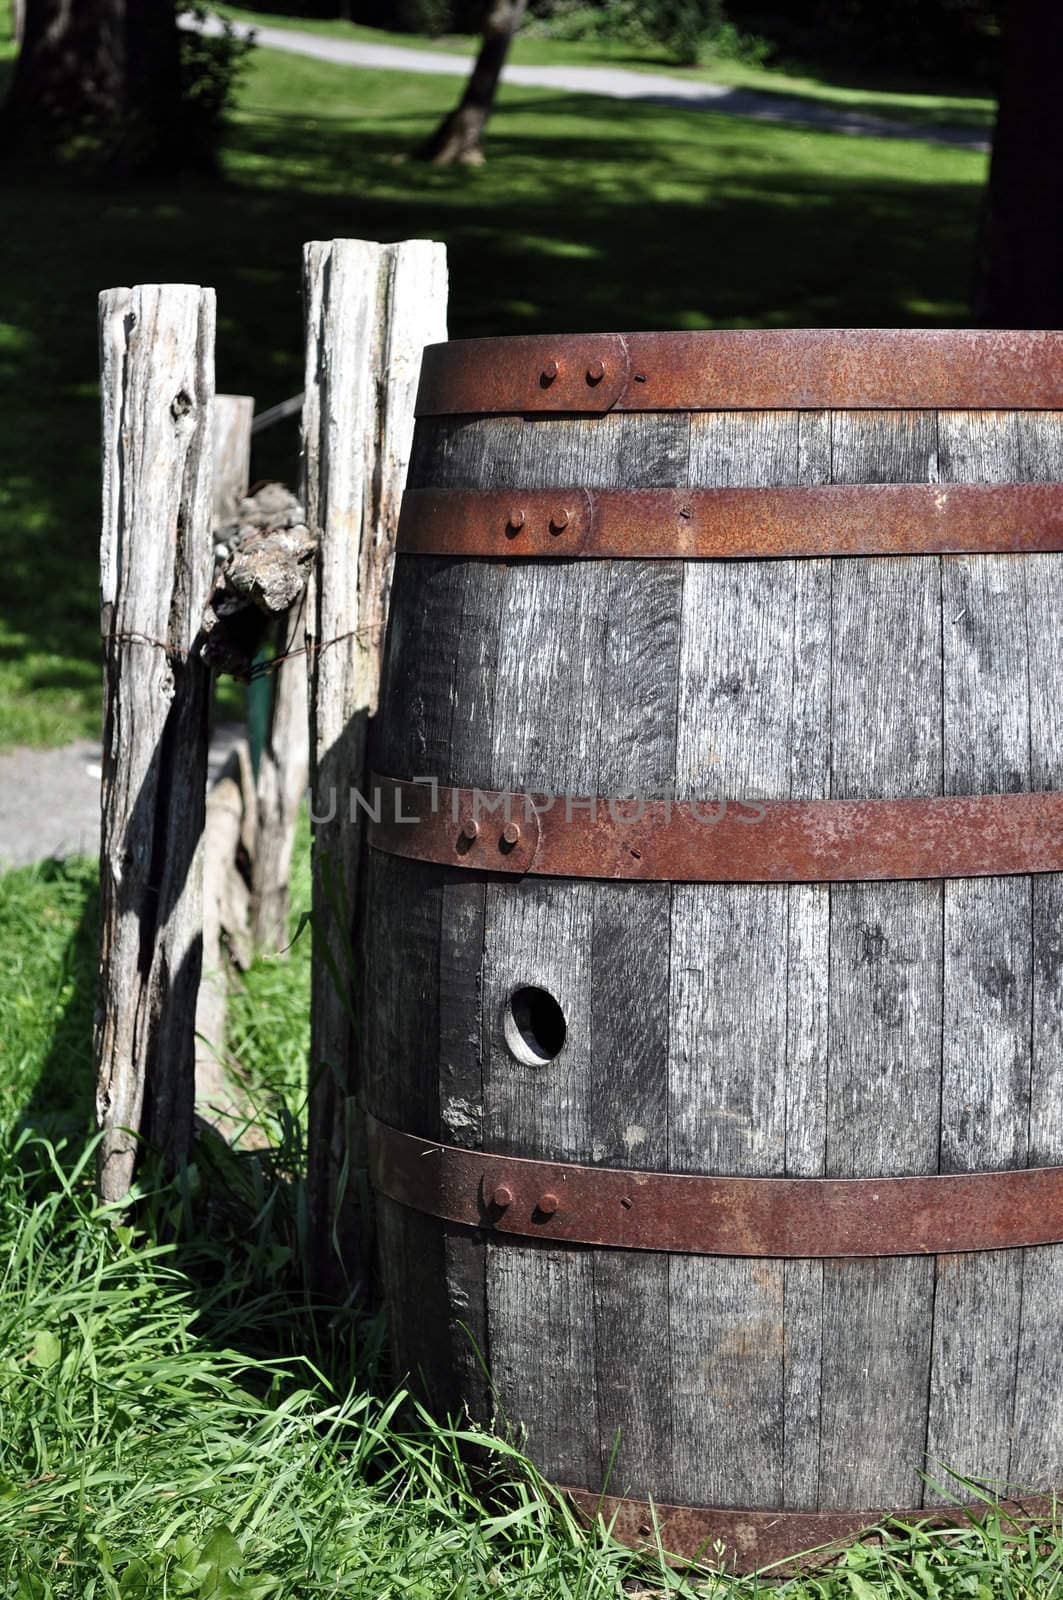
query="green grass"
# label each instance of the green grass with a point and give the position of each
(48, 934)
(269, 1008)
(929, 106)
(584, 217)
(144, 1451)
(181, 1416)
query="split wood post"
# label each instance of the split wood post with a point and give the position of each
(283, 766)
(228, 825)
(157, 381)
(228, 821)
(233, 415)
(370, 310)
(283, 772)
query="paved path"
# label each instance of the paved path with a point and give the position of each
(613, 82)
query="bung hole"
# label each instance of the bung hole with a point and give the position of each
(535, 1026)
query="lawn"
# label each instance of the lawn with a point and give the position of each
(903, 101)
(181, 1416)
(588, 214)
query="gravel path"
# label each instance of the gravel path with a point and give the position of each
(613, 82)
(50, 799)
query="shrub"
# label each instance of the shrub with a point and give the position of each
(687, 29)
(683, 27)
(211, 66)
(430, 17)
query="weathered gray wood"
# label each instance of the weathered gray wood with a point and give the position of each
(630, 982)
(1037, 1443)
(885, 992)
(461, 940)
(445, 635)
(985, 1088)
(421, 1000)
(228, 824)
(157, 382)
(280, 789)
(544, 738)
(418, 1002)
(807, 969)
(271, 568)
(796, 1030)
(233, 414)
(541, 1305)
(370, 310)
(270, 553)
(743, 695)
(227, 820)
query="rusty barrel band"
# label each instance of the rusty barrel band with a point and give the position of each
(763, 369)
(755, 1539)
(719, 841)
(700, 524)
(692, 1214)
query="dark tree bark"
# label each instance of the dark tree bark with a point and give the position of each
(103, 76)
(459, 136)
(1020, 280)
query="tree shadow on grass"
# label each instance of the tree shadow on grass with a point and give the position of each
(236, 1219)
(607, 219)
(58, 1099)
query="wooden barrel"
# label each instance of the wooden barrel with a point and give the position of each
(717, 1089)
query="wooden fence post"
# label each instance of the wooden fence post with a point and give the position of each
(156, 556)
(280, 789)
(233, 415)
(227, 824)
(283, 763)
(370, 310)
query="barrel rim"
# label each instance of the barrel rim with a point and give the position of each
(785, 1541)
(745, 369)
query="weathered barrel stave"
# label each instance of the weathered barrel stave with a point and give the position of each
(843, 1030)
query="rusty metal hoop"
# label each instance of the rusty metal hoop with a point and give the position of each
(693, 1214)
(699, 524)
(720, 841)
(758, 369)
(787, 1541)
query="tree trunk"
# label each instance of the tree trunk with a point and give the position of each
(153, 86)
(107, 71)
(459, 136)
(1021, 269)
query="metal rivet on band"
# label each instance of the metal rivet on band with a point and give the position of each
(502, 1196)
(548, 1204)
(559, 521)
(596, 372)
(550, 371)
